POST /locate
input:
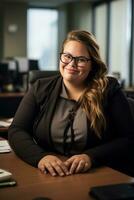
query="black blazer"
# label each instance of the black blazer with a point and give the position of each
(30, 136)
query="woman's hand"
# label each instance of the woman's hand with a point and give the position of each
(78, 163)
(53, 165)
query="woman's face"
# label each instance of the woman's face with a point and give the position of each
(77, 70)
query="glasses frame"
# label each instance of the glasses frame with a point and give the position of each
(75, 58)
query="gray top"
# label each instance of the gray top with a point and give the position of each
(60, 120)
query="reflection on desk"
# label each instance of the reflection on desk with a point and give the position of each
(6, 122)
(4, 125)
(4, 146)
(11, 94)
(31, 183)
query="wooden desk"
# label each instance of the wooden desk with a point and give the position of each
(32, 183)
(3, 129)
(11, 94)
(4, 132)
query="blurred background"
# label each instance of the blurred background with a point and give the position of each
(32, 31)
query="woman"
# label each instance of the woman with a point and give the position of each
(81, 114)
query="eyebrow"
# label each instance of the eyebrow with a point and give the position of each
(77, 56)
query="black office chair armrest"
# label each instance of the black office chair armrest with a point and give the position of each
(131, 104)
(34, 75)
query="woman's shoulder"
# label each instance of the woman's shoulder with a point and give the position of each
(113, 86)
(113, 83)
(44, 82)
(42, 86)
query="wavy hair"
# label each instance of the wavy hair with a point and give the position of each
(92, 99)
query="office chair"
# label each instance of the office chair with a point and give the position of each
(33, 64)
(131, 104)
(4, 74)
(34, 75)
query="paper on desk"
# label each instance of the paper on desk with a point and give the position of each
(6, 122)
(4, 146)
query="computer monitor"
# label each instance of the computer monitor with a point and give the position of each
(33, 64)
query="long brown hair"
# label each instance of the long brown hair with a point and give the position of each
(91, 100)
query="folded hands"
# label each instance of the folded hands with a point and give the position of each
(56, 167)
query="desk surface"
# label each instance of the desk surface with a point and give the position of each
(32, 183)
(11, 94)
(3, 129)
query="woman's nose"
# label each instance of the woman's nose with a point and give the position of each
(73, 63)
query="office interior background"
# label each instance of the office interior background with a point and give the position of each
(32, 31)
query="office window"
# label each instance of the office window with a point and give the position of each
(120, 34)
(101, 28)
(42, 37)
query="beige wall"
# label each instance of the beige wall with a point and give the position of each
(79, 16)
(71, 16)
(1, 31)
(63, 25)
(15, 43)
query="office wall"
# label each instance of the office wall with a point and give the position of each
(74, 16)
(1, 31)
(63, 25)
(100, 27)
(71, 16)
(132, 43)
(14, 43)
(79, 16)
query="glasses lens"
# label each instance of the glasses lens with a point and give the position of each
(82, 61)
(66, 58)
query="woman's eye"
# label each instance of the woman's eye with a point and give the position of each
(82, 60)
(67, 56)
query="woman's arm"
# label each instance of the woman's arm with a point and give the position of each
(121, 144)
(114, 148)
(21, 130)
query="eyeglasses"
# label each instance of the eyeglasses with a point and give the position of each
(67, 58)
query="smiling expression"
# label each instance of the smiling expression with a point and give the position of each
(72, 72)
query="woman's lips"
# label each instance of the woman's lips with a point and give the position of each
(71, 70)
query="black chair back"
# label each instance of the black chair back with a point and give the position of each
(131, 104)
(34, 75)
